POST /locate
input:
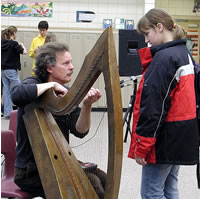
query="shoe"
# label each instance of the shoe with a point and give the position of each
(7, 117)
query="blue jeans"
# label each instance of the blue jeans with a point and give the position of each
(160, 181)
(10, 78)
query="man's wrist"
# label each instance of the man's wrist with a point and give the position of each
(87, 105)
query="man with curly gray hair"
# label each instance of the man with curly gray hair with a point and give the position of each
(53, 69)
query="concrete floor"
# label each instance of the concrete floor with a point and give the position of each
(131, 172)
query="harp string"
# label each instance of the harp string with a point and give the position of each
(90, 72)
(90, 152)
(94, 147)
(96, 131)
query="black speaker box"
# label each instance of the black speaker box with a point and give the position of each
(129, 62)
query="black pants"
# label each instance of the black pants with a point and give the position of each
(29, 181)
(97, 178)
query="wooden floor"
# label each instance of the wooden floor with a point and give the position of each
(94, 148)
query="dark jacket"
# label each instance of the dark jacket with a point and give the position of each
(10, 55)
(165, 126)
(22, 95)
(197, 87)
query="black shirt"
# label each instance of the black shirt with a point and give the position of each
(22, 95)
(10, 55)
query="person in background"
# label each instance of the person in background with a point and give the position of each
(10, 65)
(165, 131)
(50, 37)
(43, 27)
(53, 69)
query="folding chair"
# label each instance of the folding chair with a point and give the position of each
(13, 122)
(8, 188)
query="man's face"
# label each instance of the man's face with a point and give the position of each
(63, 69)
(43, 32)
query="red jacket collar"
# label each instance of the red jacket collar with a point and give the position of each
(145, 57)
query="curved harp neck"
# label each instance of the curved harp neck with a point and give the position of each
(95, 63)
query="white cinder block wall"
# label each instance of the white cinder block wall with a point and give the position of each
(64, 13)
(177, 7)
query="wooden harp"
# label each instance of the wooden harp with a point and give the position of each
(60, 172)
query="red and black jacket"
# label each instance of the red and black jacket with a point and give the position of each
(164, 116)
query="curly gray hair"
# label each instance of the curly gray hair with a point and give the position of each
(46, 55)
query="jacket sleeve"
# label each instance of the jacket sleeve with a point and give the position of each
(25, 92)
(159, 81)
(18, 48)
(32, 49)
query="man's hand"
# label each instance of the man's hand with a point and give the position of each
(92, 96)
(36, 50)
(58, 88)
(140, 161)
(83, 122)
